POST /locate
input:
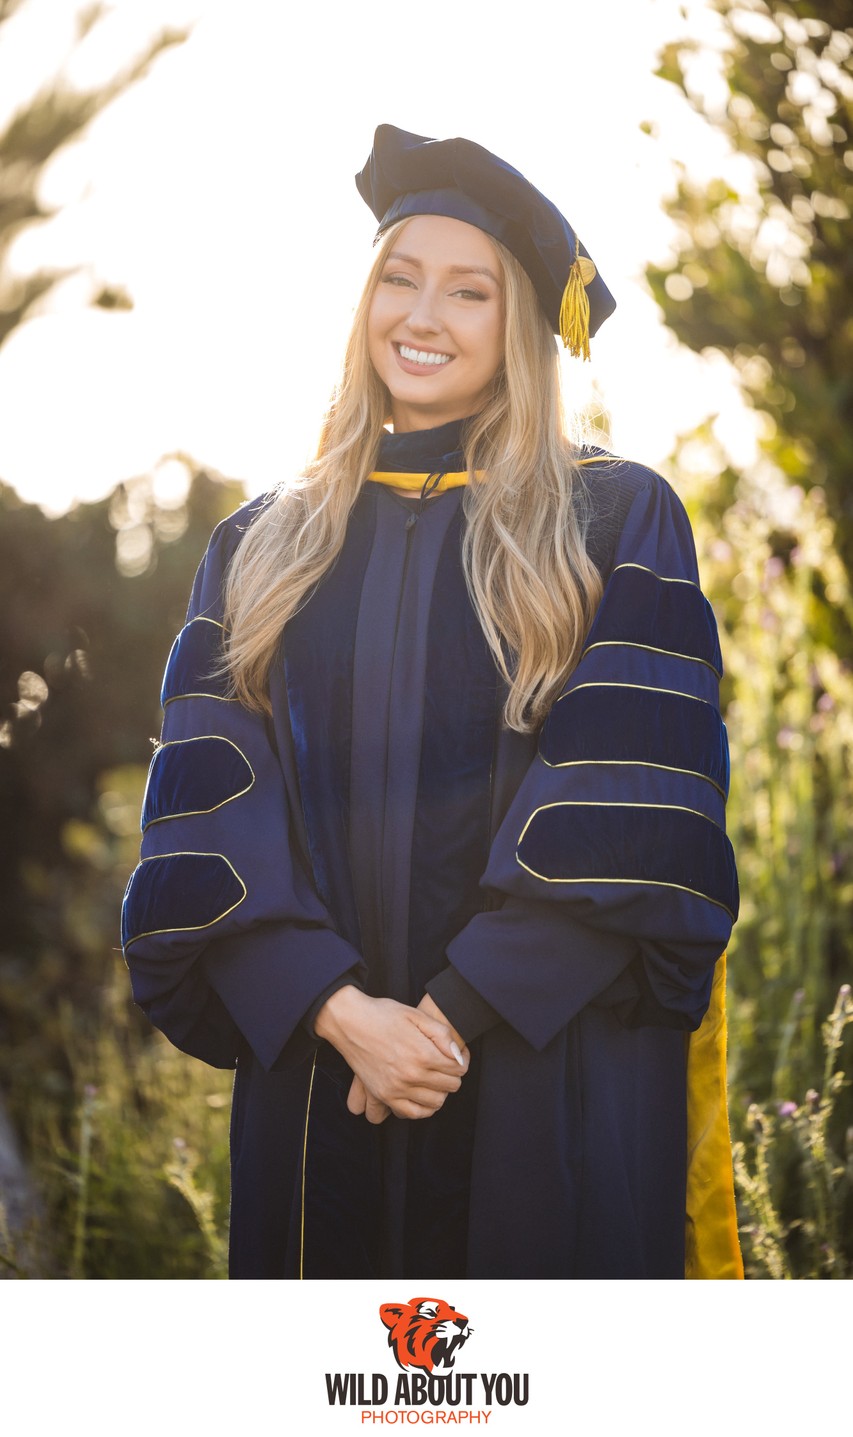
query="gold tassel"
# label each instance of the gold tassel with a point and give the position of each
(574, 309)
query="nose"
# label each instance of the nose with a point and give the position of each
(423, 317)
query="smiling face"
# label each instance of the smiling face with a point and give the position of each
(436, 323)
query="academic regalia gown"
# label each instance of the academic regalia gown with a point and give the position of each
(565, 897)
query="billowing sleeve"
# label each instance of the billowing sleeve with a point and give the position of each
(611, 878)
(222, 930)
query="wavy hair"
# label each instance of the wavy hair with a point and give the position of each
(534, 588)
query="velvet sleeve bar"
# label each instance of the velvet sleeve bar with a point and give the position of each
(223, 932)
(611, 877)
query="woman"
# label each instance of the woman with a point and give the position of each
(434, 845)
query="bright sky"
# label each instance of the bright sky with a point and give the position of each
(219, 192)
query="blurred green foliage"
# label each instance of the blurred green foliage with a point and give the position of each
(762, 274)
(794, 1171)
(764, 271)
(83, 648)
(131, 1153)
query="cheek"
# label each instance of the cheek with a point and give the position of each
(492, 340)
(384, 309)
(377, 317)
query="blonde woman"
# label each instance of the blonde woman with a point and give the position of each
(434, 849)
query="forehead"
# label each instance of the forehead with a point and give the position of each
(440, 240)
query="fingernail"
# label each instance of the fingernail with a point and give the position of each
(457, 1055)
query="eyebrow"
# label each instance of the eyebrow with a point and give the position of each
(452, 269)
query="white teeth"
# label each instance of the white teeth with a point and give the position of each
(420, 356)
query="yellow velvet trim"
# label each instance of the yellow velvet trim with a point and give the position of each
(712, 1249)
(416, 482)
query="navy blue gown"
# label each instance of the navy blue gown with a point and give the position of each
(563, 896)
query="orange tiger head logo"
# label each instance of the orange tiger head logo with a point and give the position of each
(425, 1332)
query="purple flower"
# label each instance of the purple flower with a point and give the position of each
(787, 1109)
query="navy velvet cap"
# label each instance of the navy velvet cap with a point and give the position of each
(409, 174)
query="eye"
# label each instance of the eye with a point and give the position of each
(399, 279)
(471, 294)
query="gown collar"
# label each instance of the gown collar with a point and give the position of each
(425, 460)
(427, 451)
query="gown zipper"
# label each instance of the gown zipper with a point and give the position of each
(411, 521)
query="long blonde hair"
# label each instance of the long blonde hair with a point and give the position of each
(531, 581)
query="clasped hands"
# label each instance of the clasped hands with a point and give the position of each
(403, 1058)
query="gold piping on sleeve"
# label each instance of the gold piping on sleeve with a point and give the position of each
(614, 803)
(202, 619)
(192, 927)
(196, 812)
(304, 1164)
(637, 882)
(218, 698)
(630, 763)
(649, 648)
(646, 688)
(663, 578)
(199, 619)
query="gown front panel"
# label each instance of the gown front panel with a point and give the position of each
(385, 789)
(417, 816)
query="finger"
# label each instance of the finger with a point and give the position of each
(434, 1082)
(430, 1008)
(404, 1108)
(442, 1038)
(437, 1069)
(375, 1110)
(461, 1055)
(357, 1097)
(433, 1060)
(417, 1074)
(425, 1097)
